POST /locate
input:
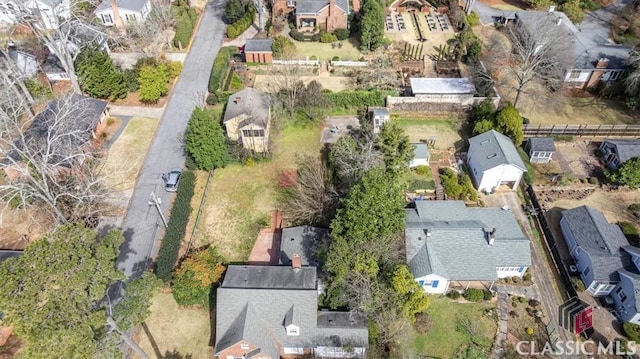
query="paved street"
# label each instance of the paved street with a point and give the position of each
(545, 284)
(142, 225)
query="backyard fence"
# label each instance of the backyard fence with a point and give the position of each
(349, 63)
(297, 62)
(582, 130)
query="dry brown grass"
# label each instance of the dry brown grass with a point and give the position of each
(173, 328)
(127, 153)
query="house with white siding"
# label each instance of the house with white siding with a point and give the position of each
(131, 11)
(50, 11)
(540, 149)
(494, 161)
(451, 246)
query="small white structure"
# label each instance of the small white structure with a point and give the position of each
(420, 155)
(494, 161)
(52, 68)
(130, 11)
(540, 149)
(25, 63)
(379, 116)
(50, 11)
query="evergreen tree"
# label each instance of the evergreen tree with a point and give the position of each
(509, 122)
(205, 141)
(234, 11)
(372, 25)
(50, 295)
(153, 82)
(395, 147)
(98, 75)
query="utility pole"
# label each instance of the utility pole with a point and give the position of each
(112, 323)
(153, 200)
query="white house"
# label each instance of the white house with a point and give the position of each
(52, 68)
(247, 118)
(420, 155)
(450, 245)
(129, 10)
(50, 10)
(494, 161)
(596, 245)
(379, 116)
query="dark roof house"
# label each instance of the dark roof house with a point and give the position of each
(453, 241)
(250, 103)
(617, 152)
(540, 149)
(316, 6)
(302, 241)
(267, 312)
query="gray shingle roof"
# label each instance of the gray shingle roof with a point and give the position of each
(542, 144)
(250, 102)
(52, 65)
(601, 239)
(6, 254)
(420, 151)
(301, 240)
(457, 247)
(258, 315)
(589, 45)
(315, 6)
(258, 45)
(379, 111)
(273, 277)
(423, 85)
(132, 5)
(626, 149)
(492, 149)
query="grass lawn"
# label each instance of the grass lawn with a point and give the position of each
(172, 329)
(443, 340)
(445, 130)
(414, 181)
(325, 52)
(240, 198)
(127, 153)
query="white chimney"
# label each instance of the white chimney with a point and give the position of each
(559, 22)
(492, 236)
(552, 8)
(428, 232)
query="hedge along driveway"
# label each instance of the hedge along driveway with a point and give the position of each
(221, 68)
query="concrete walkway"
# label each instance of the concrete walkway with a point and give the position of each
(133, 111)
(124, 121)
(503, 323)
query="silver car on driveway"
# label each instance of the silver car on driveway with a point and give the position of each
(172, 179)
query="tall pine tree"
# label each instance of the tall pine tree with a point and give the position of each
(372, 25)
(98, 75)
(205, 139)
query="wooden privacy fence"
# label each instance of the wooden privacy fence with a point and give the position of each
(582, 130)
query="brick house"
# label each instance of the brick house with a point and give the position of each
(258, 51)
(313, 15)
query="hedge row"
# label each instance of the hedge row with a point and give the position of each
(168, 254)
(351, 99)
(218, 97)
(237, 28)
(220, 66)
(187, 18)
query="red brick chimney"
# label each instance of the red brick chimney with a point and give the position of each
(355, 6)
(237, 100)
(296, 261)
(596, 75)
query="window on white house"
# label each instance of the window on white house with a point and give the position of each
(574, 74)
(253, 133)
(130, 17)
(106, 19)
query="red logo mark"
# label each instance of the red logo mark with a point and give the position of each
(583, 320)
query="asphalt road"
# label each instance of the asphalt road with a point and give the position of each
(142, 224)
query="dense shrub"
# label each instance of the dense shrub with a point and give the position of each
(37, 89)
(423, 170)
(234, 11)
(237, 28)
(630, 231)
(192, 281)
(175, 68)
(529, 330)
(454, 294)
(357, 99)
(457, 185)
(205, 141)
(474, 295)
(578, 284)
(473, 19)
(634, 207)
(186, 21)
(341, 34)
(297, 35)
(423, 322)
(220, 67)
(168, 253)
(153, 82)
(530, 175)
(328, 37)
(282, 45)
(335, 58)
(316, 37)
(631, 331)
(487, 294)
(131, 80)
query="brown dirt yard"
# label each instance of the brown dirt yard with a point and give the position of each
(171, 329)
(333, 83)
(446, 131)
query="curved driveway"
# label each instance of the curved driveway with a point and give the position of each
(142, 224)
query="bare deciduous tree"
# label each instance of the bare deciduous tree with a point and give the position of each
(353, 156)
(49, 161)
(57, 28)
(154, 27)
(286, 84)
(315, 199)
(379, 74)
(632, 79)
(539, 52)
